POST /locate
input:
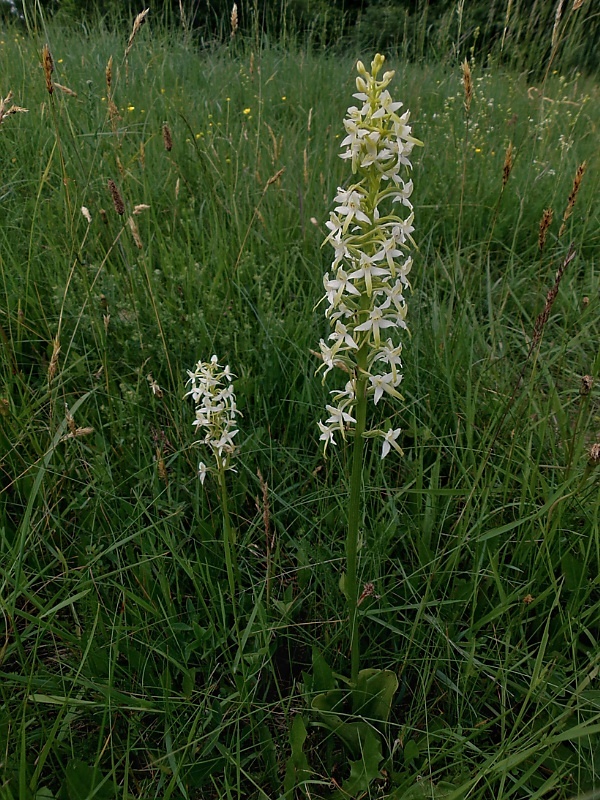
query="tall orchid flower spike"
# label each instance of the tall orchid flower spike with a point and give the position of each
(364, 286)
(216, 412)
(370, 230)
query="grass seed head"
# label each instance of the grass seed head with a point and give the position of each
(573, 196)
(135, 233)
(70, 421)
(117, 199)
(543, 317)
(467, 84)
(161, 467)
(545, 223)
(137, 24)
(587, 383)
(65, 90)
(6, 112)
(234, 20)
(167, 138)
(557, 18)
(109, 75)
(594, 458)
(53, 366)
(508, 164)
(48, 64)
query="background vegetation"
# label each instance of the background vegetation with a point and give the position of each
(120, 674)
(511, 32)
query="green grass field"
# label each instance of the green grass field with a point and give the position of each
(121, 674)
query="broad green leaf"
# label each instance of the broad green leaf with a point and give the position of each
(82, 781)
(297, 769)
(365, 770)
(410, 752)
(323, 680)
(374, 693)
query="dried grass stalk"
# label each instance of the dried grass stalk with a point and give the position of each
(48, 64)
(573, 196)
(137, 24)
(234, 20)
(545, 223)
(118, 203)
(542, 319)
(269, 537)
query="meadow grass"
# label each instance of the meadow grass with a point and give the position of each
(121, 674)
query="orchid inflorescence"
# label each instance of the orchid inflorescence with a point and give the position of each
(216, 411)
(364, 289)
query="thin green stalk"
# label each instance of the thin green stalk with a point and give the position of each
(351, 587)
(230, 562)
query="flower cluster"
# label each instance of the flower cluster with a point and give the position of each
(364, 288)
(212, 392)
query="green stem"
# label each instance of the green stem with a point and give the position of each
(351, 584)
(228, 544)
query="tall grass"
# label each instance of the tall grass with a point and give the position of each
(121, 673)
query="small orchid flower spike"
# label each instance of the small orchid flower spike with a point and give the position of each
(216, 412)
